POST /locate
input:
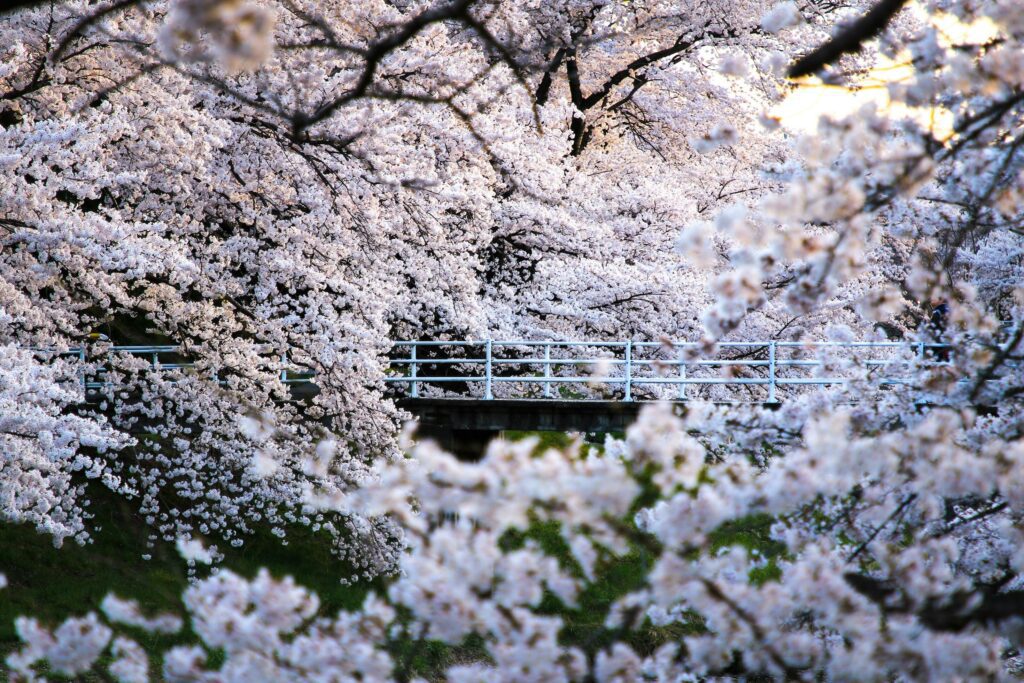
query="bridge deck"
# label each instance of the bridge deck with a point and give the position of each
(523, 414)
(464, 426)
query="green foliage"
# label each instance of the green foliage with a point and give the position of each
(752, 533)
(615, 577)
(556, 440)
(545, 440)
(429, 659)
(52, 584)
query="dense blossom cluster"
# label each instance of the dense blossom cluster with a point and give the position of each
(458, 578)
(258, 179)
(894, 522)
(43, 447)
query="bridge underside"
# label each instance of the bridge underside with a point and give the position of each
(465, 426)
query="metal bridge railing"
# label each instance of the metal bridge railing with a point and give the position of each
(490, 369)
(770, 365)
(168, 357)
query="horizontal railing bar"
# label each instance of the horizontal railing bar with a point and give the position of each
(639, 380)
(497, 361)
(790, 362)
(436, 380)
(704, 363)
(262, 348)
(268, 348)
(597, 380)
(529, 380)
(859, 344)
(436, 361)
(499, 342)
(440, 343)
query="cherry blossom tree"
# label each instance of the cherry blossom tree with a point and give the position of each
(44, 447)
(258, 180)
(894, 519)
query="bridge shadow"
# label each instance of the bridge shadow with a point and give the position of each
(464, 426)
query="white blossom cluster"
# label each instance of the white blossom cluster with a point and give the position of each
(74, 647)
(45, 452)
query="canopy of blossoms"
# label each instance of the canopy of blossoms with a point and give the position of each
(323, 177)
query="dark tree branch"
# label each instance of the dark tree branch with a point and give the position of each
(849, 40)
(964, 521)
(898, 512)
(375, 53)
(636, 65)
(715, 592)
(89, 20)
(633, 71)
(544, 89)
(572, 72)
(955, 614)
(989, 371)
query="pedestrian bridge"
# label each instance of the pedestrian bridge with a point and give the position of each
(626, 371)
(464, 392)
(587, 371)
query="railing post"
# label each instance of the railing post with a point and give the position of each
(547, 370)
(771, 371)
(413, 372)
(81, 356)
(682, 374)
(488, 395)
(284, 366)
(920, 351)
(629, 372)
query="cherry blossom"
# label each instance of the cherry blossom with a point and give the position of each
(546, 170)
